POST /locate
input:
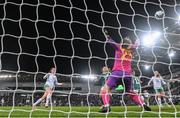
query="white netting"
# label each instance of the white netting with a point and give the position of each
(69, 34)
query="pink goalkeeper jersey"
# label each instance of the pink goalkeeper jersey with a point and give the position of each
(123, 58)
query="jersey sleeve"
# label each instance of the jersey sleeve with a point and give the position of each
(150, 81)
(114, 44)
(162, 80)
(46, 76)
(56, 82)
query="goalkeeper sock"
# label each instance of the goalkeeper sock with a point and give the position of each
(136, 98)
(105, 97)
(47, 99)
(38, 101)
(103, 94)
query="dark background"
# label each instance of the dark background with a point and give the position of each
(38, 34)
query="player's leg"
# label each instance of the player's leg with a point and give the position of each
(106, 100)
(159, 100)
(164, 97)
(106, 96)
(147, 101)
(133, 95)
(158, 97)
(103, 96)
(100, 96)
(42, 98)
(162, 94)
(110, 84)
(48, 97)
(39, 100)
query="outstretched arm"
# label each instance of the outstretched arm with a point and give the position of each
(111, 41)
(135, 45)
(163, 81)
(57, 83)
(46, 76)
(150, 82)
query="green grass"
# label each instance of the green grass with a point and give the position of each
(117, 111)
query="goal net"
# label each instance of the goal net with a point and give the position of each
(70, 35)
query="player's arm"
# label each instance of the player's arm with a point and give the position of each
(57, 83)
(111, 41)
(150, 81)
(46, 76)
(148, 85)
(135, 45)
(162, 80)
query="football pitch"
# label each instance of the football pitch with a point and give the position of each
(92, 112)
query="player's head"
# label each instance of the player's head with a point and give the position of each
(52, 70)
(105, 69)
(145, 91)
(127, 43)
(156, 73)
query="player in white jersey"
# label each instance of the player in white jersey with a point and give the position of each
(51, 81)
(157, 84)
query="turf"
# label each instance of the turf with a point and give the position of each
(85, 111)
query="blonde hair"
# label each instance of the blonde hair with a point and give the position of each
(157, 74)
(105, 69)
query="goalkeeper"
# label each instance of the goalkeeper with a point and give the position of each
(122, 71)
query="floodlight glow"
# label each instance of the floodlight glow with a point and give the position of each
(178, 20)
(171, 53)
(6, 76)
(147, 67)
(150, 39)
(3, 76)
(91, 77)
(156, 35)
(147, 41)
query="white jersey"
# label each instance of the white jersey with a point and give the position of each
(146, 94)
(157, 82)
(51, 80)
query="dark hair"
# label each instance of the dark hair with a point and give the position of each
(158, 75)
(126, 42)
(51, 69)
